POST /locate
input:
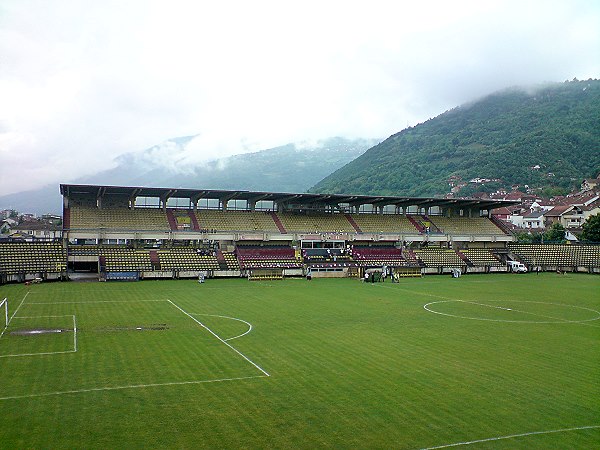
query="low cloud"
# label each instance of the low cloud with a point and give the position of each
(83, 83)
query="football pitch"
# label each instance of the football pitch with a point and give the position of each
(497, 361)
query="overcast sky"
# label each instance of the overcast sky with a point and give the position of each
(82, 82)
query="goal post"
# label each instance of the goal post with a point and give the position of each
(4, 304)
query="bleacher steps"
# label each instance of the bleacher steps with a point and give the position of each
(102, 264)
(501, 225)
(416, 224)
(66, 218)
(433, 227)
(172, 220)
(353, 223)
(462, 256)
(194, 221)
(155, 260)
(221, 260)
(278, 222)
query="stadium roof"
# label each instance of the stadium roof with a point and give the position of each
(69, 190)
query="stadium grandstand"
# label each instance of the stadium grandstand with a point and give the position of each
(132, 233)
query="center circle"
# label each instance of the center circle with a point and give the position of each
(513, 311)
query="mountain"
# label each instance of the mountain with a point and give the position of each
(288, 168)
(546, 137)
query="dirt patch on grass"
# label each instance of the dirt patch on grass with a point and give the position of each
(35, 331)
(150, 327)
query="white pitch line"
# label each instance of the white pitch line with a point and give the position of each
(512, 436)
(38, 317)
(18, 307)
(36, 354)
(555, 319)
(583, 322)
(46, 353)
(489, 306)
(75, 334)
(13, 315)
(232, 318)
(219, 338)
(133, 386)
(527, 312)
(95, 301)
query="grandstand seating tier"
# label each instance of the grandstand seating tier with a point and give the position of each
(186, 259)
(126, 260)
(314, 222)
(465, 225)
(32, 257)
(439, 257)
(557, 254)
(235, 220)
(268, 256)
(118, 218)
(384, 223)
(380, 256)
(481, 257)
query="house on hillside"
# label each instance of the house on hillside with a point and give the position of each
(541, 205)
(584, 205)
(20, 237)
(573, 218)
(512, 215)
(535, 219)
(37, 229)
(555, 215)
(591, 183)
(6, 225)
(5, 213)
(513, 195)
(52, 219)
(571, 211)
(502, 213)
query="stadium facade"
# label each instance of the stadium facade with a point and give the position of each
(129, 232)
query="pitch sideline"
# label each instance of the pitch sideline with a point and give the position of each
(132, 386)
(512, 436)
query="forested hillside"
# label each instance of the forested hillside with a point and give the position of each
(546, 138)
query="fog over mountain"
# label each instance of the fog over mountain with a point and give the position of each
(84, 82)
(287, 168)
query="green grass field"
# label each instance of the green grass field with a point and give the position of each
(295, 364)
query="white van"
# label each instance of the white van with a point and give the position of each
(516, 266)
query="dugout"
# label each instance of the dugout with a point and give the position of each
(264, 274)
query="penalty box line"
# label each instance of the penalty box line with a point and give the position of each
(132, 386)
(46, 353)
(219, 338)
